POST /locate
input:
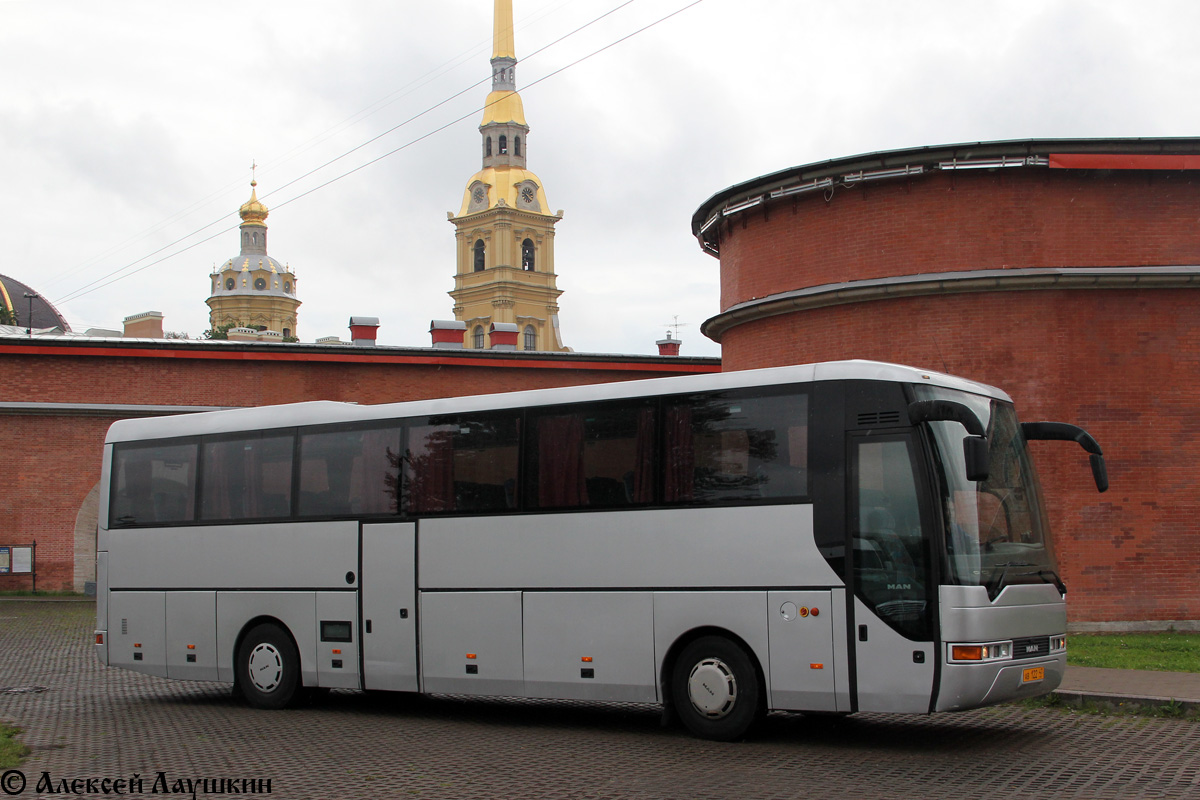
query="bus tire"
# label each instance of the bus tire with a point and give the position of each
(268, 667)
(715, 689)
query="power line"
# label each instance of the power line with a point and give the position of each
(102, 282)
(304, 147)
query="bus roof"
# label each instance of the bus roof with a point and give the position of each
(326, 411)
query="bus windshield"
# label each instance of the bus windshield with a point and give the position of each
(995, 530)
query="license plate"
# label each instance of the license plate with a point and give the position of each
(1033, 674)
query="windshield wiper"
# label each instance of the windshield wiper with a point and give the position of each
(1050, 576)
(995, 582)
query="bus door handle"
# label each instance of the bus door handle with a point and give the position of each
(368, 626)
(862, 633)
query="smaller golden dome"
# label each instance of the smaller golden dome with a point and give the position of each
(503, 106)
(253, 210)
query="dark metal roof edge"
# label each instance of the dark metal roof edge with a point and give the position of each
(883, 159)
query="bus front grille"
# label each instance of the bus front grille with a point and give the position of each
(1032, 647)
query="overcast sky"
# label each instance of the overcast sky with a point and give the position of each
(125, 126)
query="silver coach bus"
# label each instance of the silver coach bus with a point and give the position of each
(839, 537)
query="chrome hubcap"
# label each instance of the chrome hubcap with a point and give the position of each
(712, 688)
(266, 667)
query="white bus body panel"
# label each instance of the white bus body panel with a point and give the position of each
(968, 616)
(296, 610)
(388, 583)
(742, 613)
(137, 635)
(102, 605)
(613, 630)
(465, 630)
(284, 555)
(804, 667)
(337, 662)
(192, 622)
(659, 548)
(889, 678)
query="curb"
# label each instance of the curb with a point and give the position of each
(1078, 699)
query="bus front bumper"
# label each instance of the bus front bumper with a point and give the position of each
(966, 686)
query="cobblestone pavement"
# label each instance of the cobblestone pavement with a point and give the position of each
(82, 720)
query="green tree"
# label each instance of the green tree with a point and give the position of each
(8, 316)
(221, 331)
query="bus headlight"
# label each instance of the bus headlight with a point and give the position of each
(978, 653)
(1058, 644)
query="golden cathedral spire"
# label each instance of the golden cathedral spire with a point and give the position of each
(503, 45)
(505, 228)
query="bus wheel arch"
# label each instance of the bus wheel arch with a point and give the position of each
(266, 664)
(713, 683)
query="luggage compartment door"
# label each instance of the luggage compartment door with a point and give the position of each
(389, 607)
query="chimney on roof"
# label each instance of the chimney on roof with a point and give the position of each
(448, 334)
(668, 346)
(363, 331)
(503, 335)
(147, 325)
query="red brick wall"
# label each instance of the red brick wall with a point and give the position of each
(47, 467)
(48, 464)
(948, 222)
(1123, 364)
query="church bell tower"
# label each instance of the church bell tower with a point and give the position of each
(504, 229)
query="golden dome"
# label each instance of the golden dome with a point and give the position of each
(504, 183)
(252, 210)
(504, 106)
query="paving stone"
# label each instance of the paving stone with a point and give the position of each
(83, 720)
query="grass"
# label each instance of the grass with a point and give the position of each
(1170, 651)
(11, 750)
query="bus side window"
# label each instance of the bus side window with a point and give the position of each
(596, 456)
(349, 472)
(154, 484)
(736, 447)
(247, 478)
(462, 463)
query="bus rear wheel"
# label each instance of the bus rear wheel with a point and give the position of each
(715, 689)
(268, 667)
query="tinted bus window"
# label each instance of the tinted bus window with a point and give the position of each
(736, 447)
(349, 472)
(594, 456)
(247, 478)
(462, 463)
(153, 484)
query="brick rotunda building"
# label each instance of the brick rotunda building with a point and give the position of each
(1064, 271)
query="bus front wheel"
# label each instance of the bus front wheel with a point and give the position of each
(715, 689)
(268, 667)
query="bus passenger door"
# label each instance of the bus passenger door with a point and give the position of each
(892, 631)
(389, 607)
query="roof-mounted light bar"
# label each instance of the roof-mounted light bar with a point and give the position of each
(801, 188)
(995, 163)
(742, 206)
(713, 220)
(882, 174)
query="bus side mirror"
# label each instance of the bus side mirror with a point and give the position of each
(1065, 432)
(1099, 472)
(975, 453)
